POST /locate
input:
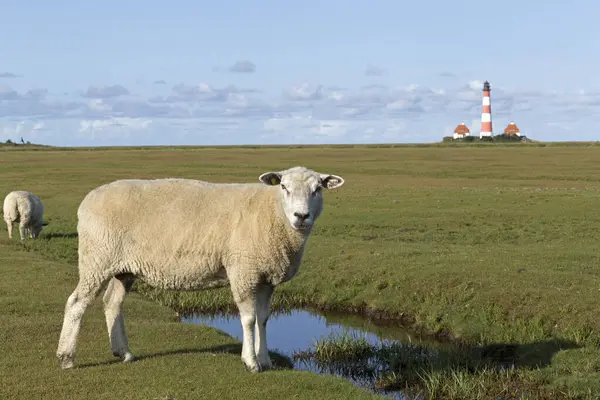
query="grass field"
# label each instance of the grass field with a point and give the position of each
(482, 245)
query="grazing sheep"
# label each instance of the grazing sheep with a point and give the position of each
(27, 210)
(182, 234)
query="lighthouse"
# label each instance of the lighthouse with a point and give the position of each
(486, 112)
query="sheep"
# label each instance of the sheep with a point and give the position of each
(183, 234)
(27, 210)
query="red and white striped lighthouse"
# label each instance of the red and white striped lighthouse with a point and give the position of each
(486, 112)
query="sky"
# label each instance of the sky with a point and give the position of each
(188, 72)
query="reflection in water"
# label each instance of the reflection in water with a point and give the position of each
(295, 333)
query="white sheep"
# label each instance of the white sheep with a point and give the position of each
(26, 209)
(182, 234)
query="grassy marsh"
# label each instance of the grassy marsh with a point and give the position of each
(479, 245)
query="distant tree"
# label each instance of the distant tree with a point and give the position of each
(500, 138)
(507, 138)
(8, 141)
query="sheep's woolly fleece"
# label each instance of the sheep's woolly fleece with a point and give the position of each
(183, 234)
(26, 209)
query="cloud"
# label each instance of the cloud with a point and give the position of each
(476, 84)
(34, 103)
(394, 129)
(37, 94)
(200, 94)
(9, 75)
(37, 126)
(190, 91)
(15, 130)
(379, 101)
(98, 105)
(160, 82)
(7, 93)
(241, 67)
(112, 123)
(299, 128)
(304, 92)
(142, 109)
(282, 124)
(372, 70)
(105, 91)
(306, 129)
(308, 112)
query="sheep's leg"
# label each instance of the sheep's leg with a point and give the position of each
(22, 231)
(248, 318)
(263, 309)
(85, 292)
(9, 227)
(247, 307)
(113, 301)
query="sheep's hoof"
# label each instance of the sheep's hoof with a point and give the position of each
(259, 367)
(251, 367)
(66, 362)
(265, 365)
(125, 357)
(254, 369)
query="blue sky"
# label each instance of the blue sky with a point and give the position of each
(238, 72)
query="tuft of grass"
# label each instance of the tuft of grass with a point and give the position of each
(340, 349)
(424, 372)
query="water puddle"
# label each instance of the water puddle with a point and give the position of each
(346, 344)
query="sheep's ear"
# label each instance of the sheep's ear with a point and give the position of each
(270, 178)
(331, 181)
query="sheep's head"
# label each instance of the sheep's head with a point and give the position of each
(36, 230)
(300, 191)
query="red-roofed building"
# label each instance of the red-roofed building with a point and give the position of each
(461, 131)
(512, 129)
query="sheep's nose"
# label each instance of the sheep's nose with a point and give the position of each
(302, 216)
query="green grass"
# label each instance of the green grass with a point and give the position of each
(439, 371)
(175, 361)
(482, 245)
